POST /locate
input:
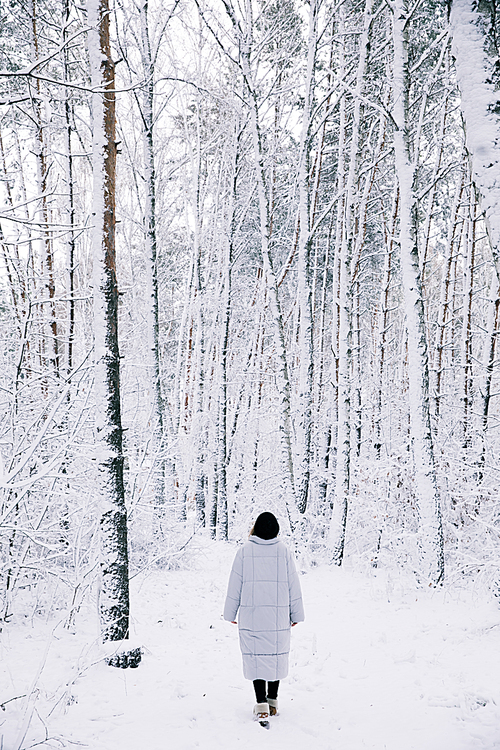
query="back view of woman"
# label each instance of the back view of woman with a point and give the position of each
(264, 587)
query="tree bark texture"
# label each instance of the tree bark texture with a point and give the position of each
(114, 593)
(428, 504)
(474, 46)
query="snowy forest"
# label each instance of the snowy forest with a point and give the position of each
(250, 260)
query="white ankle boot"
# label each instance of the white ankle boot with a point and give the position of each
(273, 706)
(261, 711)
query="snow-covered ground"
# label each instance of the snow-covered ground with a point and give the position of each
(378, 664)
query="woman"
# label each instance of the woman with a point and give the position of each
(265, 587)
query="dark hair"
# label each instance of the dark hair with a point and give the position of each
(266, 526)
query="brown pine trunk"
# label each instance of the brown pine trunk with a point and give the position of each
(114, 593)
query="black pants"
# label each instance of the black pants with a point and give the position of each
(260, 690)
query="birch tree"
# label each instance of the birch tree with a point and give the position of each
(151, 246)
(429, 510)
(347, 263)
(474, 30)
(303, 419)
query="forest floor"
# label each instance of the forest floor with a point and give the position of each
(378, 664)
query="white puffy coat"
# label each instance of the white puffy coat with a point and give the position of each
(265, 587)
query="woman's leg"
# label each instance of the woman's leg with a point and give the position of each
(272, 689)
(260, 691)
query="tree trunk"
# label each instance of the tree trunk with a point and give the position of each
(222, 447)
(114, 593)
(445, 310)
(340, 350)
(429, 512)
(475, 50)
(303, 419)
(71, 241)
(490, 348)
(489, 356)
(346, 272)
(157, 412)
(50, 342)
(384, 323)
(466, 339)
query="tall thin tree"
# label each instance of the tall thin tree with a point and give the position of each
(114, 602)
